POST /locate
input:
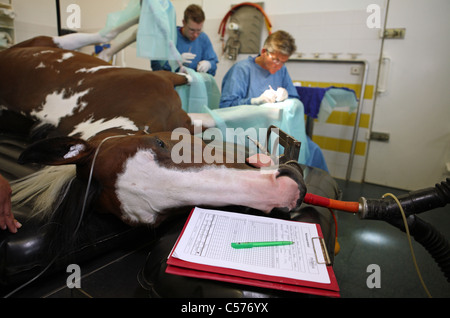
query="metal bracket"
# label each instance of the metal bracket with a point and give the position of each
(398, 33)
(291, 145)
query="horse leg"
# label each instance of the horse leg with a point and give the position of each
(112, 34)
(76, 41)
(107, 54)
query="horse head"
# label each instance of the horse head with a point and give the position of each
(143, 176)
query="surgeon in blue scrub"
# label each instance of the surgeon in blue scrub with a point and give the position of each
(194, 45)
(262, 79)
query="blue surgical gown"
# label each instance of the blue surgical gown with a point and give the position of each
(201, 47)
(246, 80)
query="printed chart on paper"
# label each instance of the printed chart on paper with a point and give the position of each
(208, 236)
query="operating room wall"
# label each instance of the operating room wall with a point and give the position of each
(320, 27)
(323, 29)
(34, 18)
(414, 107)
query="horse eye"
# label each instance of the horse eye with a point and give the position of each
(160, 143)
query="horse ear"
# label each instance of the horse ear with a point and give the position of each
(56, 151)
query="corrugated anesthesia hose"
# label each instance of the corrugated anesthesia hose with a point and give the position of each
(412, 203)
(401, 212)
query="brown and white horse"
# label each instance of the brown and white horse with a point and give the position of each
(114, 136)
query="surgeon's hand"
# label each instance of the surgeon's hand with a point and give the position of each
(269, 96)
(7, 220)
(203, 66)
(187, 57)
(282, 94)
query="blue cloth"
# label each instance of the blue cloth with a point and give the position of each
(114, 19)
(202, 91)
(319, 100)
(287, 115)
(311, 98)
(201, 47)
(157, 34)
(337, 97)
(246, 80)
(156, 37)
(316, 158)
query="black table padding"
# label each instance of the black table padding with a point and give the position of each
(23, 255)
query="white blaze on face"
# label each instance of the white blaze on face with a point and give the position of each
(136, 191)
(56, 106)
(90, 128)
(145, 189)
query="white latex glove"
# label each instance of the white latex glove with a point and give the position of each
(188, 57)
(203, 66)
(269, 96)
(282, 94)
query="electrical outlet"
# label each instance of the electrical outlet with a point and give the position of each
(355, 70)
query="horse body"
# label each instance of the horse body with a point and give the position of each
(116, 125)
(80, 95)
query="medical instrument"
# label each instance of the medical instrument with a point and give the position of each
(259, 145)
(240, 245)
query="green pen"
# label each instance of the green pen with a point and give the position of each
(260, 244)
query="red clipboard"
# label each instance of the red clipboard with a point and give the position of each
(185, 268)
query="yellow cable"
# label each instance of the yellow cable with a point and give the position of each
(409, 241)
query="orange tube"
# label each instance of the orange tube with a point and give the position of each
(331, 204)
(222, 26)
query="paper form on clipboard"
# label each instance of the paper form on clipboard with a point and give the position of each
(207, 237)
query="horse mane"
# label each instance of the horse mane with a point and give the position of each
(40, 189)
(61, 201)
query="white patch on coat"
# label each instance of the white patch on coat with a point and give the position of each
(41, 65)
(90, 128)
(74, 151)
(56, 106)
(43, 52)
(95, 69)
(65, 56)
